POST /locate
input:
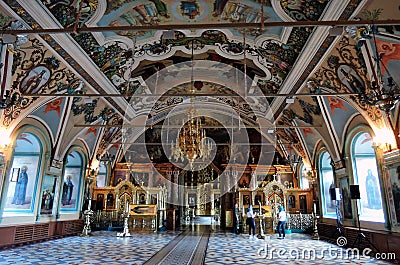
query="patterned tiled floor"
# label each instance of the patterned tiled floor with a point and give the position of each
(228, 248)
(101, 248)
(223, 248)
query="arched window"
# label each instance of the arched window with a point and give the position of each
(304, 182)
(365, 173)
(24, 174)
(327, 182)
(71, 187)
(101, 176)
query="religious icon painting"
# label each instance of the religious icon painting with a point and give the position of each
(70, 188)
(351, 79)
(48, 191)
(35, 80)
(23, 178)
(394, 197)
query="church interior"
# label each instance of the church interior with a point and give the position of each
(145, 131)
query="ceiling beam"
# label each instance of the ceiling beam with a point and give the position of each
(159, 144)
(205, 26)
(269, 95)
(180, 126)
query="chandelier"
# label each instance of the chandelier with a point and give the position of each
(191, 143)
(293, 160)
(291, 157)
(384, 92)
(13, 43)
(106, 158)
(309, 175)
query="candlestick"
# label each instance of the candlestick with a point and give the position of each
(90, 204)
(127, 207)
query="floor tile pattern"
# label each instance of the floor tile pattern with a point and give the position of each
(103, 247)
(228, 248)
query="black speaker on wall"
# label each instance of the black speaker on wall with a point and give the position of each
(354, 192)
(335, 194)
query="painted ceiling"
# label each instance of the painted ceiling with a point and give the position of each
(140, 64)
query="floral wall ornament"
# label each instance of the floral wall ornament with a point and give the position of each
(304, 10)
(35, 72)
(345, 71)
(66, 11)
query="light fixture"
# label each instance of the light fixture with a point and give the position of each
(292, 158)
(384, 140)
(384, 92)
(289, 100)
(308, 174)
(12, 42)
(191, 143)
(5, 144)
(106, 158)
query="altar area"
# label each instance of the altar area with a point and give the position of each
(268, 188)
(147, 197)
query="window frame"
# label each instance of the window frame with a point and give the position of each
(324, 195)
(360, 209)
(81, 179)
(37, 154)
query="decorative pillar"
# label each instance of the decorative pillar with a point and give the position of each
(5, 148)
(2, 170)
(390, 175)
(235, 175)
(90, 180)
(253, 187)
(174, 187)
(169, 186)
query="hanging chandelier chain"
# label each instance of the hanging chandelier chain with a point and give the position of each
(190, 144)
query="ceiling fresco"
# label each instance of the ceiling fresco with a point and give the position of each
(275, 54)
(346, 71)
(126, 63)
(51, 113)
(133, 13)
(340, 112)
(155, 12)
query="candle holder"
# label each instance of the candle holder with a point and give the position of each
(87, 230)
(125, 232)
(315, 235)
